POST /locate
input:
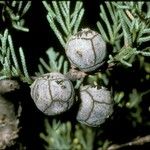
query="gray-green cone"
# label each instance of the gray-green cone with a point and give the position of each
(96, 105)
(86, 50)
(52, 93)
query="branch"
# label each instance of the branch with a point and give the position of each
(16, 18)
(8, 86)
(8, 118)
(61, 20)
(9, 61)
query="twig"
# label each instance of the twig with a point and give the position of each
(136, 142)
(129, 14)
(75, 74)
